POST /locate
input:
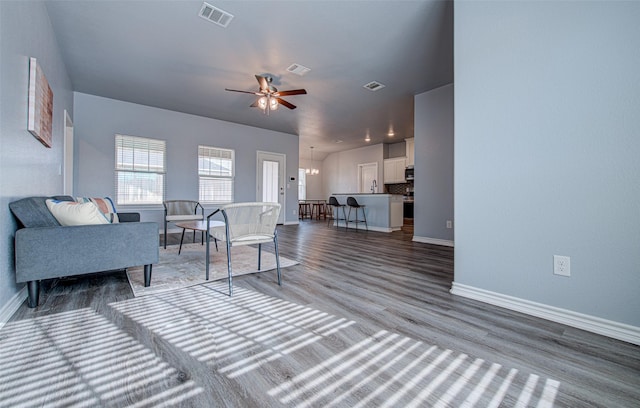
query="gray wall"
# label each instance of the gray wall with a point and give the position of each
(98, 119)
(26, 166)
(547, 152)
(433, 167)
(341, 169)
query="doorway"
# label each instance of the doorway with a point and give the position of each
(67, 179)
(270, 180)
(367, 178)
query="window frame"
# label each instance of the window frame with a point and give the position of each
(202, 173)
(139, 146)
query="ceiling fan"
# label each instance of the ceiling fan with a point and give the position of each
(268, 96)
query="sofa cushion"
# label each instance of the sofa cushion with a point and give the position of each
(32, 212)
(72, 213)
(105, 205)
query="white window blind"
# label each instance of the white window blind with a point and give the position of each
(140, 170)
(302, 184)
(215, 174)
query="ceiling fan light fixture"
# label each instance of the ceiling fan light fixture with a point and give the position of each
(262, 102)
(273, 103)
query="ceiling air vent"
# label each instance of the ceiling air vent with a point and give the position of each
(215, 15)
(298, 69)
(374, 86)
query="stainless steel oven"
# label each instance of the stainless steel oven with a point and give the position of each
(408, 173)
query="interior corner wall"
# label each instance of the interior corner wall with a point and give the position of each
(26, 166)
(433, 168)
(547, 96)
(98, 120)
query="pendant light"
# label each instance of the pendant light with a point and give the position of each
(311, 171)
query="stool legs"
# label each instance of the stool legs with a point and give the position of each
(364, 216)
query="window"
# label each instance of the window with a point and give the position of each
(215, 172)
(140, 170)
(302, 184)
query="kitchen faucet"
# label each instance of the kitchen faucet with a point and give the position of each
(374, 185)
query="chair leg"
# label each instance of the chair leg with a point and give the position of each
(364, 215)
(165, 234)
(33, 289)
(181, 239)
(259, 254)
(147, 275)
(346, 223)
(275, 242)
(229, 268)
(207, 258)
(356, 218)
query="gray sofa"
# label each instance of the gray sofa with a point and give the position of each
(46, 250)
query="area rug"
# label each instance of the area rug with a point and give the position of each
(175, 271)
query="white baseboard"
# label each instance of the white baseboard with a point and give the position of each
(361, 227)
(609, 328)
(12, 306)
(291, 222)
(435, 241)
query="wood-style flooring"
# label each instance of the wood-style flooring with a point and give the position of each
(365, 320)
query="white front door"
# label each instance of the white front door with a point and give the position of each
(367, 178)
(270, 180)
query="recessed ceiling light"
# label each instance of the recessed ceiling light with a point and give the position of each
(391, 134)
(367, 138)
(374, 86)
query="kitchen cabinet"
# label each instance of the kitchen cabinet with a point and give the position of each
(394, 170)
(410, 151)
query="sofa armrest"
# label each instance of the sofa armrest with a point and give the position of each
(129, 217)
(53, 252)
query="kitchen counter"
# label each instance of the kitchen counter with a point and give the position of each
(383, 211)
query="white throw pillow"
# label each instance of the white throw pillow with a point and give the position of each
(70, 213)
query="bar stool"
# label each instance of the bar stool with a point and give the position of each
(304, 209)
(319, 209)
(353, 203)
(334, 214)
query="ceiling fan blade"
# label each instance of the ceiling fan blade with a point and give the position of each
(264, 84)
(292, 92)
(285, 103)
(254, 104)
(235, 90)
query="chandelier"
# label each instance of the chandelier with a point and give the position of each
(312, 171)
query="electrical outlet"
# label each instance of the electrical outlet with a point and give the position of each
(449, 224)
(562, 265)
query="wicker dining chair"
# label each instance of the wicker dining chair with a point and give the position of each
(246, 224)
(181, 210)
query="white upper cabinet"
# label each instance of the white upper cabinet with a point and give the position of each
(394, 170)
(410, 151)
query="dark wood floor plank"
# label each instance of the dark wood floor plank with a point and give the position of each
(365, 319)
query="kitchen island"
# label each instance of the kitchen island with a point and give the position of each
(384, 211)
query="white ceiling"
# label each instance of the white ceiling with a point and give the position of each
(162, 54)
